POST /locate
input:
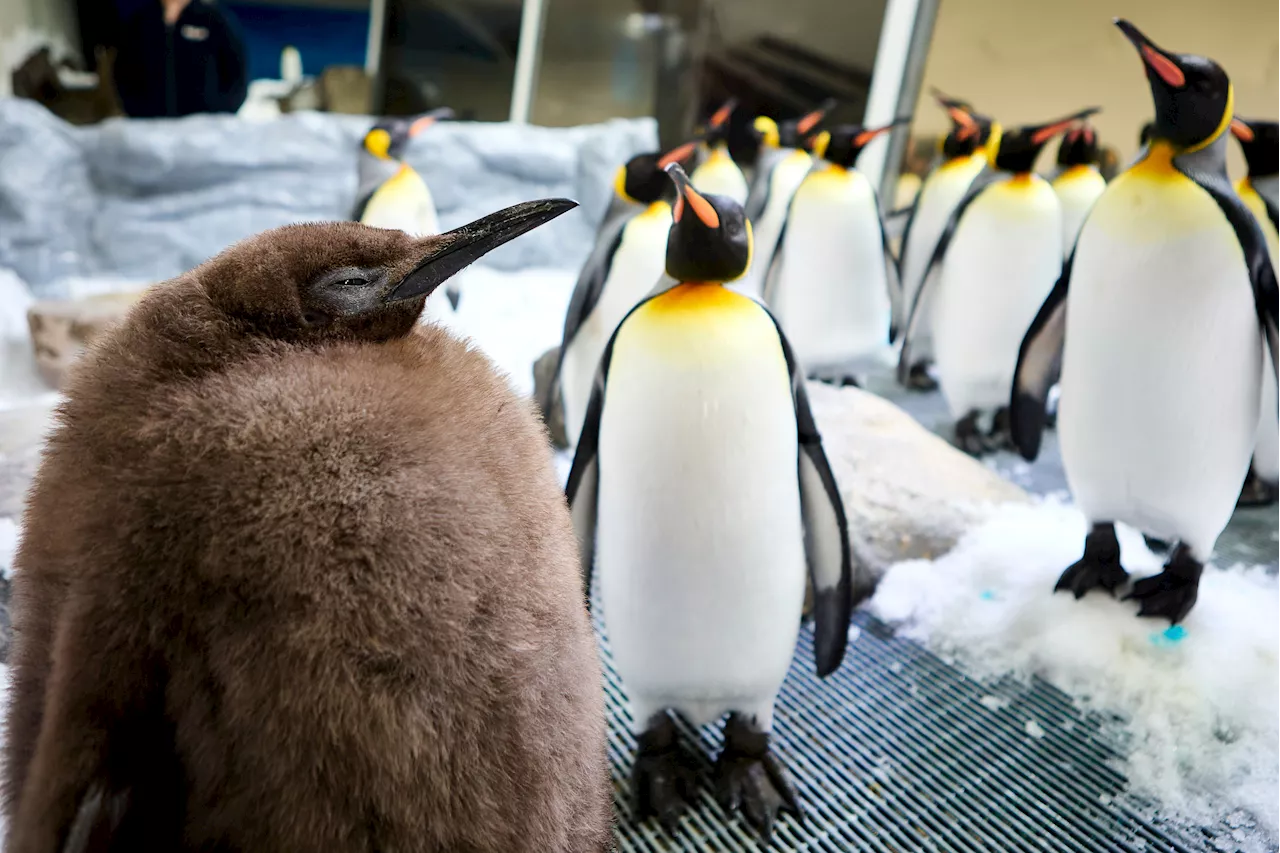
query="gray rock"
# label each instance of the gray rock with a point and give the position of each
(908, 493)
(151, 199)
(548, 405)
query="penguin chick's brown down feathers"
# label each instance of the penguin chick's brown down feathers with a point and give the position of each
(295, 577)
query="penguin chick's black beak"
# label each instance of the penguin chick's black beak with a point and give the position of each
(463, 246)
(1161, 62)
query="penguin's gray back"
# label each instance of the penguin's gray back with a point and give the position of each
(344, 580)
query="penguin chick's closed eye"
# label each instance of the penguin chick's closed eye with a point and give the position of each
(299, 576)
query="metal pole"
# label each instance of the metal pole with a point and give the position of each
(528, 52)
(894, 58)
(373, 47)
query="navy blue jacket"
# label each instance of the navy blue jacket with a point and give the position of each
(197, 65)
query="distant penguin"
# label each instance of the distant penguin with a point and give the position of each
(832, 283)
(1157, 323)
(391, 194)
(625, 267)
(1258, 140)
(997, 258)
(701, 488)
(783, 163)
(1078, 182)
(297, 576)
(716, 172)
(963, 154)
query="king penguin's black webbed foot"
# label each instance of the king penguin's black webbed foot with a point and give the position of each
(1098, 568)
(849, 381)
(918, 379)
(1257, 492)
(664, 777)
(748, 779)
(1173, 592)
(969, 438)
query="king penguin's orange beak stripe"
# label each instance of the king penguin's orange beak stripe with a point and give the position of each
(1241, 130)
(806, 123)
(1164, 66)
(1051, 130)
(421, 125)
(721, 115)
(702, 208)
(676, 155)
(868, 135)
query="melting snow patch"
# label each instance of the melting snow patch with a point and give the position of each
(1198, 702)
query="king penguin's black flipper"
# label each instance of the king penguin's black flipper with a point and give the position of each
(586, 293)
(1272, 212)
(893, 277)
(1257, 257)
(928, 281)
(826, 530)
(1038, 367)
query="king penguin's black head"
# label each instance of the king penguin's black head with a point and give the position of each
(969, 129)
(843, 143)
(1192, 94)
(1018, 149)
(717, 129)
(710, 238)
(1258, 140)
(1079, 147)
(794, 132)
(388, 139)
(643, 181)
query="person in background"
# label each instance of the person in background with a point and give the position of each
(178, 57)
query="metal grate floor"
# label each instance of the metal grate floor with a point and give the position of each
(899, 751)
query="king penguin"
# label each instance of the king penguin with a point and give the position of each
(296, 575)
(702, 490)
(391, 193)
(997, 257)
(963, 154)
(716, 172)
(1078, 181)
(625, 267)
(780, 169)
(1258, 140)
(833, 281)
(1157, 322)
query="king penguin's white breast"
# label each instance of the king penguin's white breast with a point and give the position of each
(1162, 364)
(787, 175)
(1077, 188)
(699, 537)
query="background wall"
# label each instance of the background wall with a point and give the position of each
(1025, 62)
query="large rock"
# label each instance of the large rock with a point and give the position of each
(151, 199)
(61, 330)
(908, 493)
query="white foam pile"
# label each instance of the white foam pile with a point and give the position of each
(1201, 701)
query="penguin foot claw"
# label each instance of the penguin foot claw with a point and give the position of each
(1098, 568)
(1257, 492)
(663, 780)
(750, 781)
(918, 379)
(1172, 593)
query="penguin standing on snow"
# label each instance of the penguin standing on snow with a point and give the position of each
(716, 173)
(833, 282)
(1078, 181)
(964, 154)
(702, 490)
(1158, 323)
(296, 575)
(998, 256)
(781, 168)
(625, 267)
(391, 194)
(1258, 140)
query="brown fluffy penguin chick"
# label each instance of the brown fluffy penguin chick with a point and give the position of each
(294, 578)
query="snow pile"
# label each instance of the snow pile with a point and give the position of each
(514, 317)
(8, 546)
(1200, 699)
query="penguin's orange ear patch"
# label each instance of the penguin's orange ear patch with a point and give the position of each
(1165, 67)
(702, 208)
(1241, 130)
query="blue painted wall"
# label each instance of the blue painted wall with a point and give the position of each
(324, 37)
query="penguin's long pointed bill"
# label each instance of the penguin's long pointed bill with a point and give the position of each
(867, 135)
(809, 122)
(1155, 58)
(424, 122)
(463, 246)
(688, 195)
(1047, 131)
(1241, 130)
